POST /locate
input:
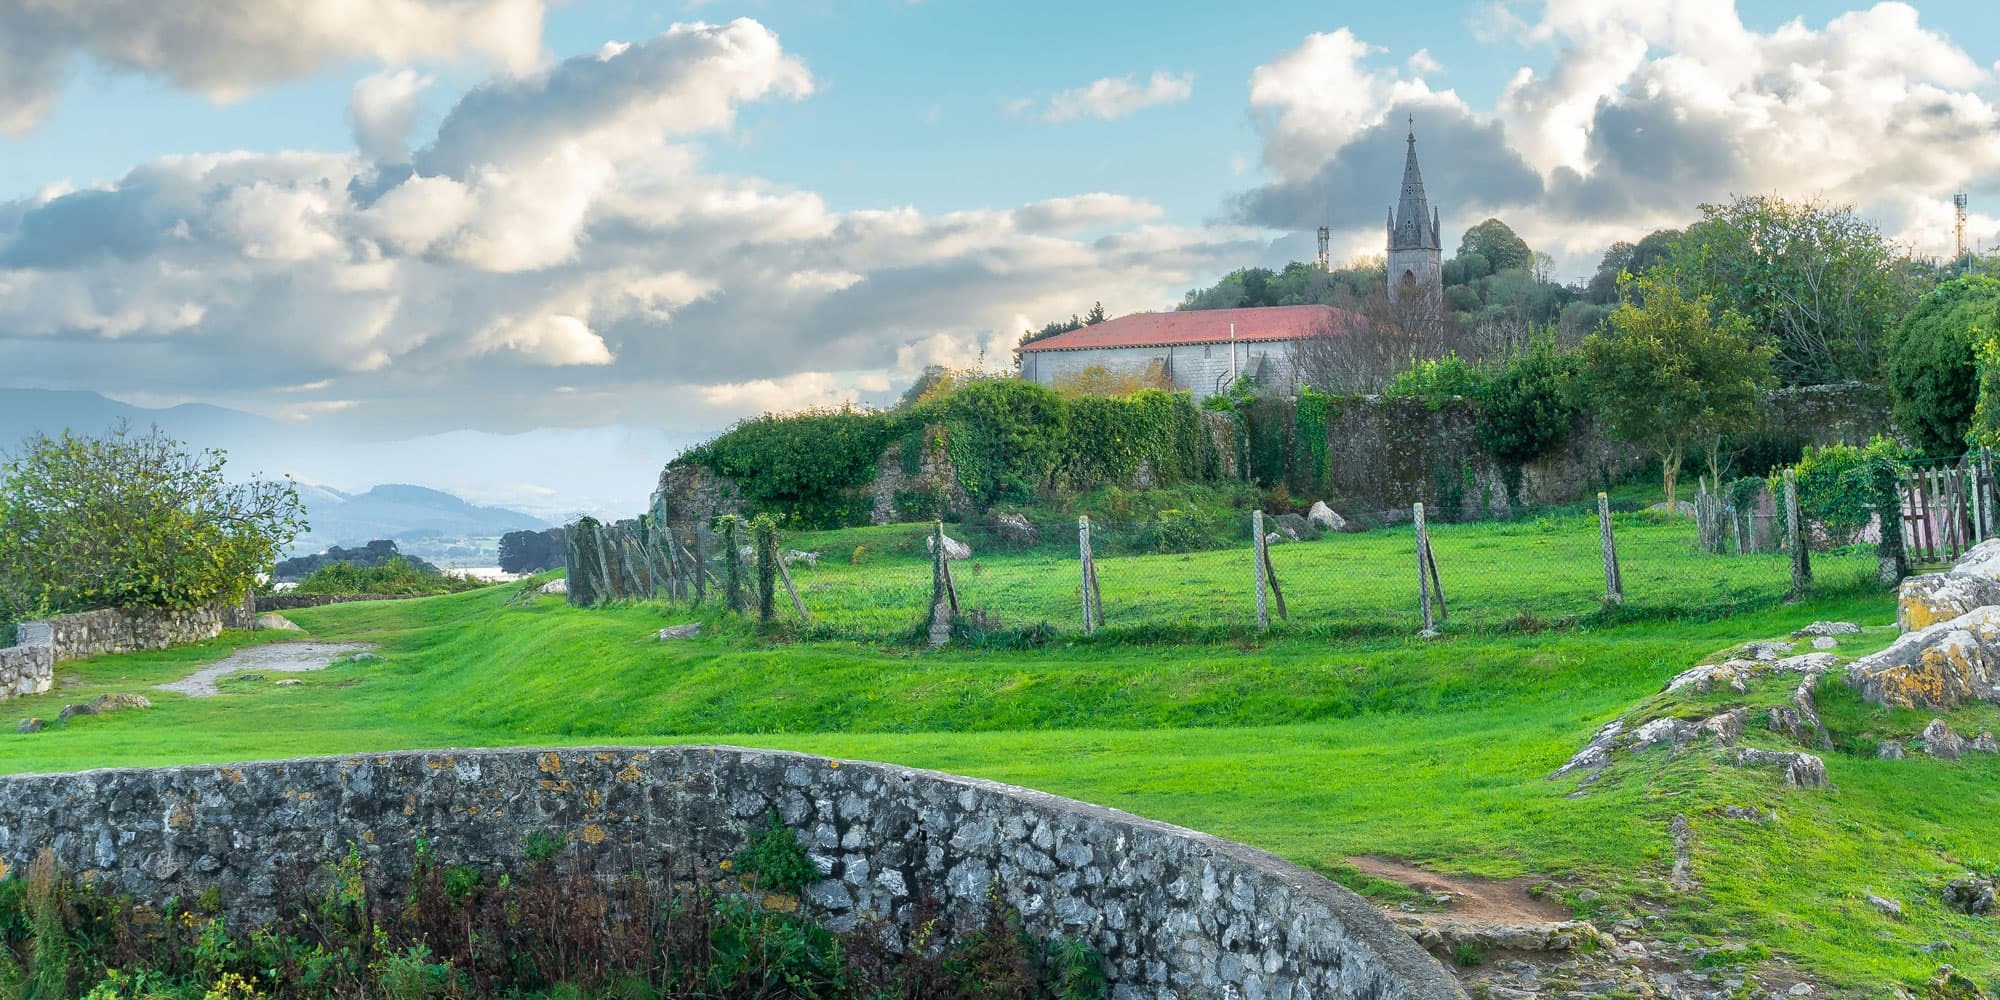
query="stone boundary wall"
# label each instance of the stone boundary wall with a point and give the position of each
(1175, 913)
(292, 602)
(29, 667)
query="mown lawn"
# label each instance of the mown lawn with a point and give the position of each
(1317, 746)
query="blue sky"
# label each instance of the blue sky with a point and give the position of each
(482, 216)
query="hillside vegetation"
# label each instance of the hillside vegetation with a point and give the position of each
(1318, 749)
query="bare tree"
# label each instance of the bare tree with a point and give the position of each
(1371, 341)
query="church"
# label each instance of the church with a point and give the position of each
(1203, 351)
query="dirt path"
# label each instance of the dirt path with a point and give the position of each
(1474, 900)
(278, 658)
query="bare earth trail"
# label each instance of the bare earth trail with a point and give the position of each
(277, 658)
(1474, 901)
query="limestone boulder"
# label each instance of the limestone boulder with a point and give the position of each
(1827, 629)
(1938, 668)
(559, 586)
(1324, 518)
(1926, 600)
(1015, 529)
(271, 622)
(1982, 560)
(688, 631)
(1941, 742)
(794, 556)
(954, 550)
(1970, 894)
(1802, 770)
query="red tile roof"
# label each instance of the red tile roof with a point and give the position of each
(1200, 326)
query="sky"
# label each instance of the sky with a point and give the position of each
(535, 222)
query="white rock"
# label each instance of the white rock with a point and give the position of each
(954, 550)
(1980, 560)
(688, 631)
(1825, 642)
(1323, 517)
(276, 623)
(558, 586)
(795, 556)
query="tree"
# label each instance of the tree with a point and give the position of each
(1931, 362)
(1095, 315)
(1529, 406)
(1622, 258)
(1670, 372)
(1497, 243)
(132, 521)
(531, 551)
(1817, 282)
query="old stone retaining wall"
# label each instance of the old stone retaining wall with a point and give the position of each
(29, 666)
(1174, 912)
(292, 602)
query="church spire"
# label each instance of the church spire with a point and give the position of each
(1415, 226)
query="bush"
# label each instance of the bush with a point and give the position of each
(1932, 362)
(800, 465)
(128, 521)
(398, 577)
(1527, 410)
(1837, 486)
(1177, 531)
(1437, 381)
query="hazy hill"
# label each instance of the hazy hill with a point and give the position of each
(403, 512)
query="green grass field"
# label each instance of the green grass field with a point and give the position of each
(1316, 746)
(1494, 575)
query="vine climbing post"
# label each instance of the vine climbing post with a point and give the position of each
(1614, 581)
(766, 532)
(1257, 556)
(1795, 530)
(732, 560)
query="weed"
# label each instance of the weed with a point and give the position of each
(1466, 955)
(775, 861)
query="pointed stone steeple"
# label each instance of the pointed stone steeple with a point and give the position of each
(1416, 246)
(1415, 224)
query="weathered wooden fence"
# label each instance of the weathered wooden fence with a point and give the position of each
(1948, 508)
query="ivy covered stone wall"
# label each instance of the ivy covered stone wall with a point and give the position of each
(1174, 913)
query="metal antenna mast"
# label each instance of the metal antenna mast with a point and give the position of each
(1958, 224)
(1325, 237)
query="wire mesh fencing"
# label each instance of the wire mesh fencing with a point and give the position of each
(1180, 575)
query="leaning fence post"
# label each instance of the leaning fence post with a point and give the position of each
(1423, 569)
(1083, 568)
(1257, 556)
(1801, 561)
(1614, 580)
(1982, 479)
(944, 602)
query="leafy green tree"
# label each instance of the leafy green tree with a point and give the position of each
(129, 521)
(1932, 362)
(531, 551)
(1498, 244)
(1004, 437)
(1622, 258)
(1817, 282)
(1670, 371)
(1529, 407)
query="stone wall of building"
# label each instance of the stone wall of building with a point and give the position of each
(1174, 912)
(29, 666)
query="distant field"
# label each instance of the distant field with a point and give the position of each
(1494, 574)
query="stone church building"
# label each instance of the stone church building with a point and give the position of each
(1203, 351)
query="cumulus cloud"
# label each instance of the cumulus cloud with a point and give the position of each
(1115, 97)
(554, 254)
(382, 109)
(226, 48)
(1645, 112)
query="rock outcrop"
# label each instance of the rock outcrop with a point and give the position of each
(1938, 668)
(954, 550)
(1323, 517)
(1926, 600)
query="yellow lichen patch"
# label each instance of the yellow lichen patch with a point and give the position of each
(593, 798)
(367, 836)
(558, 786)
(833, 764)
(235, 777)
(642, 755)
(778, 903)
(181, 816)
(293, 793)
(438, 763)
(550, 763)
(604, 758)
(593, 834)
(631, 773)
(3, 869)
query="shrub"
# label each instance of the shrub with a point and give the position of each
(397, 577)
(1837, 484)
(1436, 381)
(775, 862)
(1177, 531)
(1528, 409)
(800, 465)
(1932, 366)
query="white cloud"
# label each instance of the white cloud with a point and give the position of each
(1084, 211)
(225, 49)
(554, 340)
(1115, 97)
(1319, 96)
(1421, 61)
(382, 109)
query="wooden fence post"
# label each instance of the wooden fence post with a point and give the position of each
(1257, 556)
(1990, 523)
(1614, 579)
(1271, 577)
(1423, 570)
(1795, 523)
(944, 598)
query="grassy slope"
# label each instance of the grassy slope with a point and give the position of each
(1316, 750)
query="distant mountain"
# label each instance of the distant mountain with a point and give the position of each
(24, 412)
(404, 513)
